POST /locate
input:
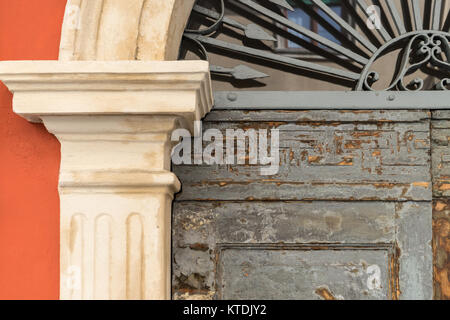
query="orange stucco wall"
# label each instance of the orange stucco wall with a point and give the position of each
(29, 162)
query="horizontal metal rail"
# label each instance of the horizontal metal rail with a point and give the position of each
(331, 100)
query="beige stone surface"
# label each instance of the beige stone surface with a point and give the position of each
(42, 88)
(114, 121)
(123, 29)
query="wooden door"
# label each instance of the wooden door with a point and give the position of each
(348, 215)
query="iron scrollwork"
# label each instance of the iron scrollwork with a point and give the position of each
(429, 49)
(420, 47)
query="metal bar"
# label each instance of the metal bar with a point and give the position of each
(417, 15)
(344, 25)
(251, 31)
(446, 26)
(240, 72)
(310, 34)
(329, 100)
(382, 31)
(282, 3)
(396, 16)
(436, 22)
(214, 15)
(274, 57)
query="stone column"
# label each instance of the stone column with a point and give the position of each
(114, 121)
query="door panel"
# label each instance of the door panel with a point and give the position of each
(307, 273)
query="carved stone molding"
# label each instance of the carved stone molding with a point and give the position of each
(123, 30)
(114, 121)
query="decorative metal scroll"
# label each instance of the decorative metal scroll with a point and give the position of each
(416, 32)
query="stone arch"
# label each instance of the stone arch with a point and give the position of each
(109, 30)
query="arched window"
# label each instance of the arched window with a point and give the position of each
(360, 45)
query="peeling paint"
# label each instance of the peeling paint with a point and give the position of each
(351, 188)
(441, 249)
(324, 293)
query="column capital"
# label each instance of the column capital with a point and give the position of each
(113, 119)
(59, 88)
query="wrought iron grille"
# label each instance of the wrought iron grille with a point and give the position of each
(413, 34)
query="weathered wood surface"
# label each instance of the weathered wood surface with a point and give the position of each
(319, 115)
(415, 256)
(441, 153)
(200, 229)
(441, 205)
(441, 249)
(351, 184)
(286, 222)
(326, 155)
(249, 274)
